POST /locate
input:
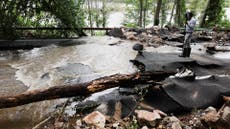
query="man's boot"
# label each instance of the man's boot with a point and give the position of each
(188, 52)
(183, 54)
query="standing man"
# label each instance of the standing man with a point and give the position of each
(189, 28)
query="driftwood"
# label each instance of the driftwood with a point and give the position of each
(83, 89)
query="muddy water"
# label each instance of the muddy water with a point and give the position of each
(56, 65)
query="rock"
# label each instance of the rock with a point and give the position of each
(172, 28)
(138, 47)
(146, 115)
(131, 35)
(204, 38)
(78, 124)
(171, 119)
(157, 40)
(117, 111)
(151, 119)
(116, 32)
(210, 109)
(225, 111)
(128, 104)
(172, 122)
(143, 37)
(58, 124)
(96, 119)
(213, 120)
(228, 37)
(217, 48)
(86, 106)
(211, 115)
(176, 125)
(162, 114)
(176, 37)
(164, 32)
(187, 127)
(136, 30)
(226, 114)
(144, 127)
(116, 125)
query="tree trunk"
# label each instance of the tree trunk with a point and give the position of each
(180, 9)
(178, 12)
(163, 12)
(83, 89)
(97, 14)
(90, 15)
(214, 13)
(171, 16)
(140, 13)
(202, 22)
(104, 12)
(145, 12)
(157, 13)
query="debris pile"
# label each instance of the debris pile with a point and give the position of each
(156, 36)
(146, 119)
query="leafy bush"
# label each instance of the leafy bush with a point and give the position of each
(37, 13)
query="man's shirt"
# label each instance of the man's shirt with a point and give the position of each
(190, 25)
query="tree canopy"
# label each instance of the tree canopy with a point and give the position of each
(37, 13)
(94, 13)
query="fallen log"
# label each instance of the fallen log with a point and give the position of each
(83, 89)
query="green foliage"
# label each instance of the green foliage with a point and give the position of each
(99, 33)
(163, 12)
(132, 13)
(197, 5)
(225, 23)
(40, 13)
(74, 14)
(133, 124)
(214, 13)
(100, 15)
(96, 15)
(180, 10)
(226, 3)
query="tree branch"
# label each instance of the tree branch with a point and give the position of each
(83, 89)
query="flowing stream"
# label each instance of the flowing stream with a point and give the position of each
(88, 59)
